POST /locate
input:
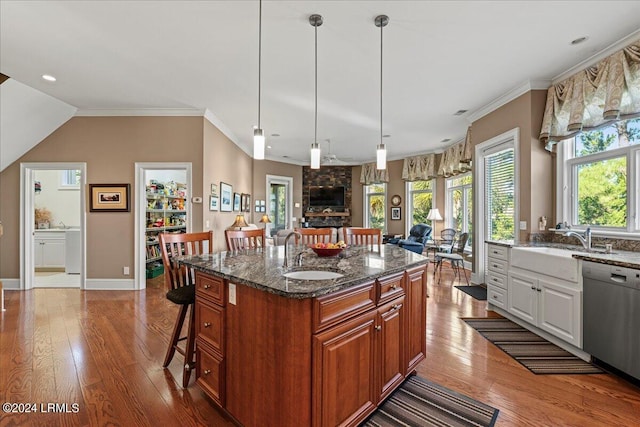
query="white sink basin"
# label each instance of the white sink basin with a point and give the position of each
(550, 261)
(312, 275)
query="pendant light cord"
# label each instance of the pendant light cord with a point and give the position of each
(381, 27)
(315, 130)
(259, 60)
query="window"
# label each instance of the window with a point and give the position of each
(375, 206)
(459, 204)
(70, 179)
(599, 178)
(420, 202)
(500, 194)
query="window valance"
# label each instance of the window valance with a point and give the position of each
(419, 168)
(371, 175)
(607, 91)
(457, 158)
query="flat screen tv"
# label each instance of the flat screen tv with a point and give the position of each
(326, 196)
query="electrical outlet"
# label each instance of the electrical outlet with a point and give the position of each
(207, 224)
(125, 271)
(232, 293)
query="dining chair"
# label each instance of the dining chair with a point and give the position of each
(455, 258)
(311, 236)
(238, 240)
(363, 237)
(180, 281)
(447, 236)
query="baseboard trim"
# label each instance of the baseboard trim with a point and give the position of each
(110, 285)
(10, 284)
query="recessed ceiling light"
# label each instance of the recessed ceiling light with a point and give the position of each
(275, 134)
(48, 77)
(286, 157)
(460, 112)
(579, 40)
(446, 140)
(386, 136)
(269, 147)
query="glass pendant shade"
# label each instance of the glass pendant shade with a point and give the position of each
(381, 157)
(315, 156)
(258, 144)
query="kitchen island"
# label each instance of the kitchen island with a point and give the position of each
(274, 351)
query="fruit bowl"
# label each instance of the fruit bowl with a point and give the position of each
(325, 252)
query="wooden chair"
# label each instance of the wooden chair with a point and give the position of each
(238, 240)
(182, 291)
(311, 236)
(363, 237)
(455, 258)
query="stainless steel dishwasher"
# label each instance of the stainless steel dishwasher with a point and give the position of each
(611, 315)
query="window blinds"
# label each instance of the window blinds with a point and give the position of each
(500, 194)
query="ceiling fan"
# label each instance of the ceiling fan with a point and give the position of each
(330, 159)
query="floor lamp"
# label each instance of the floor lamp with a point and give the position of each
(433, 216)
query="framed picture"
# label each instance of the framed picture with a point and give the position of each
(226, 194)
(257, 205)
(213, 203)
(395, 213)
(109, 197)
(214, 189)
(236, 202)
(246, 203)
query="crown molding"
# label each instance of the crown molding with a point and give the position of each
(525, 87)
(608, 51)
(148, 112)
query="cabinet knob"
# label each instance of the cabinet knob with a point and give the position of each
(539, 289)
(206, 286)
(395, 307)
(533, 288)
(394, 286)
(495, 297)
(207, 324)
(378, 328)
(206, 372)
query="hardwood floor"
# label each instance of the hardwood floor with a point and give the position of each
(103, 351)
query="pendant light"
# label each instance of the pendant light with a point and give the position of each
(381, 151)
(258, 134)
(315, 21)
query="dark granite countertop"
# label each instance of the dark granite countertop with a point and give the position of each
(619, 258)
(262, 268)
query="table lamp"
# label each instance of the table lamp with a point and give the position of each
(265, 219)
(240, 222)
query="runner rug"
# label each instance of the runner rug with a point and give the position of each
(418, 402)
(530, 350)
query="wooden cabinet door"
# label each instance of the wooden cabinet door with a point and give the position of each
(390, 330)
(415, 318)
(523, 297)
(344, 372)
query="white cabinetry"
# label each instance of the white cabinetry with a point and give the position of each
(496, 276)
(49, 249)
(551, 304)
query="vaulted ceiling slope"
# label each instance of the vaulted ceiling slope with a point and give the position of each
(191, 57)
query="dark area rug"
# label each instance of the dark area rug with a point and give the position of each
(478, 292)
(532, 351)
(418, 402)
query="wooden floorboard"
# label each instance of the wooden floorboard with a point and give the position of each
(104, 351)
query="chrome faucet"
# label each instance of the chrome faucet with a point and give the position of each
(63, 225)
(298, 259)
(585, 238)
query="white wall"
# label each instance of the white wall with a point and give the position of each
(64, 204)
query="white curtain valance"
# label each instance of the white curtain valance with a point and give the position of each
(419, 168)
(607, 91)
(457, 158)
(371, 175)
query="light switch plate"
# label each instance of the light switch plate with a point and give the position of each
(523, 225)
(232, 293)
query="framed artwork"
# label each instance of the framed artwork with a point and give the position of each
(263, 206)
(395, 213)
(246, 203)
(109, 197)
(226, 197)
(257, 205)
(236, 202)
(214, 189)
(213, 203)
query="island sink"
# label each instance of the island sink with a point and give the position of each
(312, 275)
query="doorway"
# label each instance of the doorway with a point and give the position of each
(163, 205)
(52, 225)
(279, 203)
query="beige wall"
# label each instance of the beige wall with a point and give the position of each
(110, 146)
(395, 186)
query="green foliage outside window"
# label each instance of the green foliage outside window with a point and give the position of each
(376, 202)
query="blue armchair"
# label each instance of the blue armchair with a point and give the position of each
(418, 237)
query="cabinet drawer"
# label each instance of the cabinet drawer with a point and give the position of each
(497, 296)
(210, 373)
(390, 287)
(498, 266)
(339, 306)
(495, 279)
(498, 252)
(211, 288)
(210, 324)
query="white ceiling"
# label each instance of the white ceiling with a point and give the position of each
(129, 57)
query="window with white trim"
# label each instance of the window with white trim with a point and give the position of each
(375, 196)
(598, 178)
(70, 179)
(419, 202)
(459, 205)
(500, 197)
